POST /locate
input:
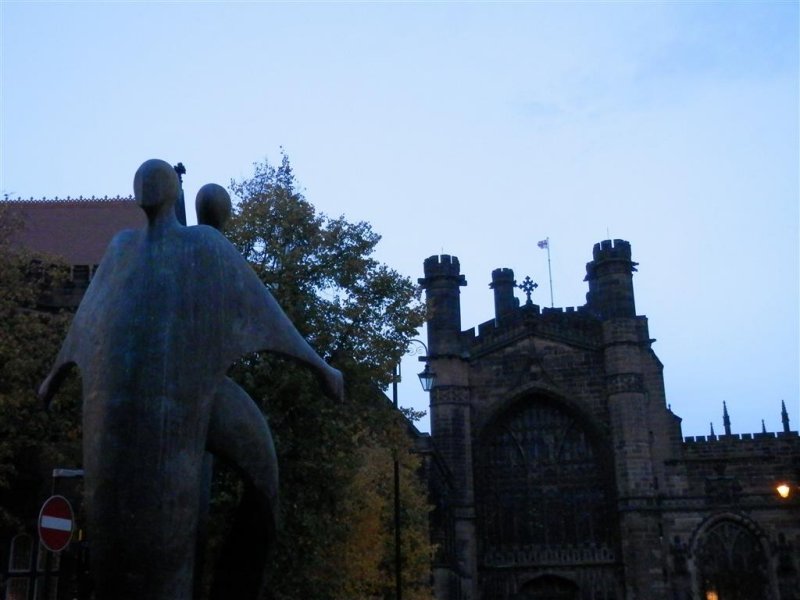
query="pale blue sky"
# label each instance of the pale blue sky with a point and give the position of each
(476, 129)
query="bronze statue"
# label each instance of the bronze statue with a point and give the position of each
(167, 313)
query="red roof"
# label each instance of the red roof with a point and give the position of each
(76, 230)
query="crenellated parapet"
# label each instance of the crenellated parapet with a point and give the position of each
(442, 267)
(503, 275)
(611, 250)
(570, 325)
(79, 201)
(722, 442)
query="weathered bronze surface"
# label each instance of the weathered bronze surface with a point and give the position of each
(168, 312)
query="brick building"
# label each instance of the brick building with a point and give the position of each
(564, 474)
(75, 231)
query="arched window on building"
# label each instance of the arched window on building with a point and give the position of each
(731, 563)
(542, 483)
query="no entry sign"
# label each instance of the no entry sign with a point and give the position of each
(56, 522)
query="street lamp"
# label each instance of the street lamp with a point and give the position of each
(783, 489)
(427, 378)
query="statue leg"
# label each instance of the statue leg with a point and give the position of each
(238, 433)
(202, 521)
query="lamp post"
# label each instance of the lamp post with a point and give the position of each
(427, 378)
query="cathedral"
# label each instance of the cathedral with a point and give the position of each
(560, 472)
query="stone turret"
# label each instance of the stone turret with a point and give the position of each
(451, 423)
(503, 285)
(610, 278)
(625, 356)
(441, 283)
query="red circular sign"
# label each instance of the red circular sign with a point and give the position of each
(56, 522)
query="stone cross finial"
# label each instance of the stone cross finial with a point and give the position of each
(180, 170)
(528, 286)
(180, 204)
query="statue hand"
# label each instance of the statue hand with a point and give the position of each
(334, 384)
(53, 382)
(47, 390)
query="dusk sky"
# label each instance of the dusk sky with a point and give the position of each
(473, 129)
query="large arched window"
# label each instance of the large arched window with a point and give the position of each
(541, 483)
(731, 563)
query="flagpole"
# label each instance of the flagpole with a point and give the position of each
(550, 272)
(545, 243)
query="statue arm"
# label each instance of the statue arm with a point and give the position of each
(83, 329)
(53, 382)
(261, 325)
(281, 336)
(68, 356)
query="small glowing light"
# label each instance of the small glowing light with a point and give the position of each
(783, 490)
(712, 595)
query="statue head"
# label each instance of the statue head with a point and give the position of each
(156, 187)
(213, 206)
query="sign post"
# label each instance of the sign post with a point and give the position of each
(56, 522)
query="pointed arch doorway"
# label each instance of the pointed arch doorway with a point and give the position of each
(731, 563)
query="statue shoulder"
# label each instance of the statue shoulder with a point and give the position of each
(126, 236)
(209, 239)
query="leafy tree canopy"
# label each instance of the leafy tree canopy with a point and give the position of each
(336, 461)
(323, 273)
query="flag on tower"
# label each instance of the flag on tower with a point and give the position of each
(543, 244)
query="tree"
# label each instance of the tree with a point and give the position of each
(334, 459)
(32, 441)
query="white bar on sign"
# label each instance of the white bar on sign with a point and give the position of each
(56, 523)
(67, 472)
